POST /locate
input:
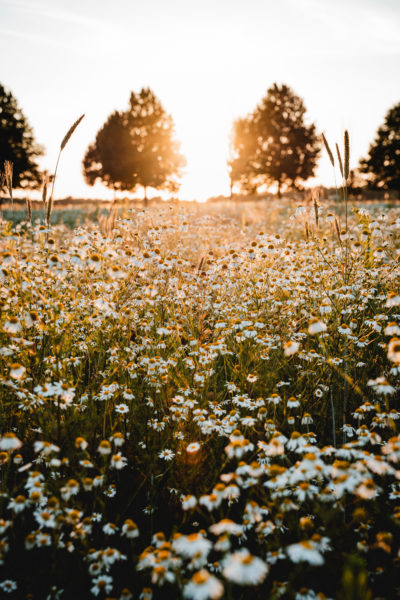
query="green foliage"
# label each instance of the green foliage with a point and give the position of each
(382, 166)
(355, 579)
(17, 143)
(273, 144)
(69, 217)
(135, 148)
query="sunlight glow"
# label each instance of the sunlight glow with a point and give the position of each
(206, 171)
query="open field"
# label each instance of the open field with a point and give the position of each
(201, 401)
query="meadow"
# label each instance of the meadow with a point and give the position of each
(201, 402)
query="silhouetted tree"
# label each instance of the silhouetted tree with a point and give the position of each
(136, 148)
(273, 144)
(17, 143)
(109, 158)
(382, 166)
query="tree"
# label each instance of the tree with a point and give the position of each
(17, 143)
(135, 148)
(382, 166)
(109, 158)
(273, 145)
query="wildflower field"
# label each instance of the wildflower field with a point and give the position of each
(201, 402)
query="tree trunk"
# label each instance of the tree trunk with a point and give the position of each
(279, 190)
(145, 199)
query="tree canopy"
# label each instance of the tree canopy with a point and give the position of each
(17, 143)
(382, 166)
(135, 148)
(273, 144)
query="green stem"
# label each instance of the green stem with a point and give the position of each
(333, 417)
(50, 204)
(345, 389)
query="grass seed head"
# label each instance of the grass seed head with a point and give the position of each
(329, 151)
(340, 160)
(346, 155)
(8, 172)
(70, 132)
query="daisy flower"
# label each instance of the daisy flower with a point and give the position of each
(166, 454)
(202, 586)
(305, 551)
(226, 526)
(381, 386)
(189, 502)
(130, 529)
(193, 448)
(118, 461)
(191, 545)
(9, 586)
(393, 299)
(316, 326)
(291, 347)
(18, 504)
(392, 329)
(243, 568)
(394, 350)
(104, 448)
(9, 441)
(102, 584)
(17, 371)
(12, 326)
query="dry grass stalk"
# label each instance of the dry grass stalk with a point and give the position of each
(8, 171)
(45, 180)
(2, 182)
(340, 161)
(199, 268)
(316, 211)
(329, 151)
(110, 223)
(338, 230)
(62, 146)
(29, 209)
(346, 155)
(49, 210)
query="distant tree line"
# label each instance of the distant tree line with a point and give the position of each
(273, 145)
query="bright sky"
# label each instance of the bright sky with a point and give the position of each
(208, 62)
